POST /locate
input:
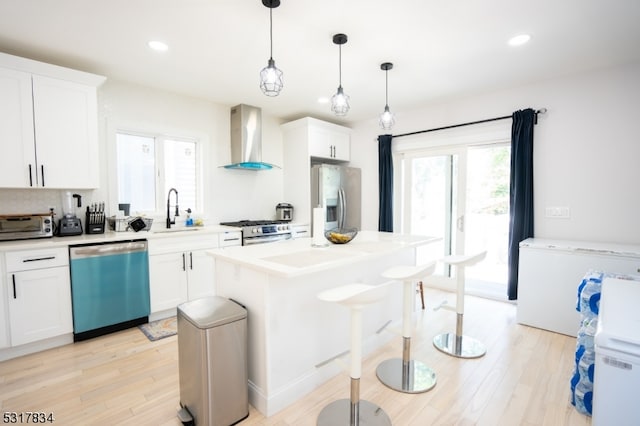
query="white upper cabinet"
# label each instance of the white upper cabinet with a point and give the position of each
(317, 140)
(327, 143)
(48, 126)
(16, 129)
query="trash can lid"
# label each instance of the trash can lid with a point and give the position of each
(209, 312)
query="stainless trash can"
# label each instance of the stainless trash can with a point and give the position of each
(212, 361)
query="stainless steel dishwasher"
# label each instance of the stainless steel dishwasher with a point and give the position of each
(109, 287)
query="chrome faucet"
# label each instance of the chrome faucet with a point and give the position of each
(177, 213)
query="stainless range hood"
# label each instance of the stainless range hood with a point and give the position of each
(246, 139)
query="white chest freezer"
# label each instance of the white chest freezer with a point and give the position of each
(550, 271)
(616, 382)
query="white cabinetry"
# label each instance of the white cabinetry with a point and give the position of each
(4, 315)
(180, 270)
(38, 294)
(48, 126)
(305, 141)
(328, 143)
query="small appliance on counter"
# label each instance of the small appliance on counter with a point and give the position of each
(284, 211)
(70, 224)
(26, 226)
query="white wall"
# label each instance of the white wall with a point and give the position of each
(229, 194)
(586, 150)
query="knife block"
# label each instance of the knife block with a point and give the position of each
(92, 226)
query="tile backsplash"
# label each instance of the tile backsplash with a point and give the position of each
(21, 201)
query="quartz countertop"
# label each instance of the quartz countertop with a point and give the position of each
(111, 236)
(295, 257)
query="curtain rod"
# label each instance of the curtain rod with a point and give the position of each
(535, 121)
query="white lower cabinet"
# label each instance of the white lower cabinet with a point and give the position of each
(38, 290)
(4, 315)
(181, 270)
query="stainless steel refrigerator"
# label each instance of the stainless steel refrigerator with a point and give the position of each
(338, 190)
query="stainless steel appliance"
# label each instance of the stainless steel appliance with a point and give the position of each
(262, 231)
(284, 211)
(338, 190)
(26, 226)
(246, 139)
(109, 287)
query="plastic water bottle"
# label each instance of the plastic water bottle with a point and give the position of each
(589, 301)
(586, 366)
(584, 397)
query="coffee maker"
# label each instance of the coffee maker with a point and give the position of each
(70, 224)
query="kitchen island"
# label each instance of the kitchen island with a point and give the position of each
(293, 336)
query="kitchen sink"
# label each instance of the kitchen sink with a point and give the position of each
(172, 230)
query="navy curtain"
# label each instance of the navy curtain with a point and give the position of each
(521, 191)
(385, 183)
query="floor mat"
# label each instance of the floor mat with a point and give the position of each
(156, 330)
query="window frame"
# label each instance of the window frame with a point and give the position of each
(159, 140)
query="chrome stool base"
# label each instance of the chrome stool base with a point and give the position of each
(459, 346)
(338, 413)
(408, 377)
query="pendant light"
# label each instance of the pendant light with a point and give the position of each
(340, 101)
(387, 119)
(270, 76)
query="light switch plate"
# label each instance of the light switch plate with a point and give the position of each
(558, 212)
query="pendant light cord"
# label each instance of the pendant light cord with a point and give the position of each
(386, 88)
(271, 33)
(340, 65)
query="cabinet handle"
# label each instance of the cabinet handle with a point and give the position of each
(13, 277)
(37, 259)
(190, 260)
(30, 176)
(184, 262)
(42, 172)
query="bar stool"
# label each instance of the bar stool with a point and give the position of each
(354, 411)
(456, 344)
(407, 375)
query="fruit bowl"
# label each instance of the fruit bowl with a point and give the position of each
(340, 235)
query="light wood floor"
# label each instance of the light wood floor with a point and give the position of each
(125, 379)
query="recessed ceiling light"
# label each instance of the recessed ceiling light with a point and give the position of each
(519, 40)
(158, 46)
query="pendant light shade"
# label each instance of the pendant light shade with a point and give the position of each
(387, 119)
(340, 101)
(271, 77)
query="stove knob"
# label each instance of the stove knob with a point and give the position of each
(254, 230)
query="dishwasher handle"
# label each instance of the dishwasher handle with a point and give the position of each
(108, 249)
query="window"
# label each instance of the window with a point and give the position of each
(148, 166)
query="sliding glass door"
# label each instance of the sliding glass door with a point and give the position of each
(461, 195)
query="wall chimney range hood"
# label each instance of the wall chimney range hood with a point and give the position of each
(246, 139)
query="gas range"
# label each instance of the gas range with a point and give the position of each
(262, 231)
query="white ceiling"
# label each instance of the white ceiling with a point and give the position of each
(440, 49)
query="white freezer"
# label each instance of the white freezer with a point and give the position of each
(616, 382)
(550, 271)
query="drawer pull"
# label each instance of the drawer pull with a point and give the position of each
(37, 259)
(13, 277)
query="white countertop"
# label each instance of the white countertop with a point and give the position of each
(609, 249)
(295, 257)
(111, 236)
